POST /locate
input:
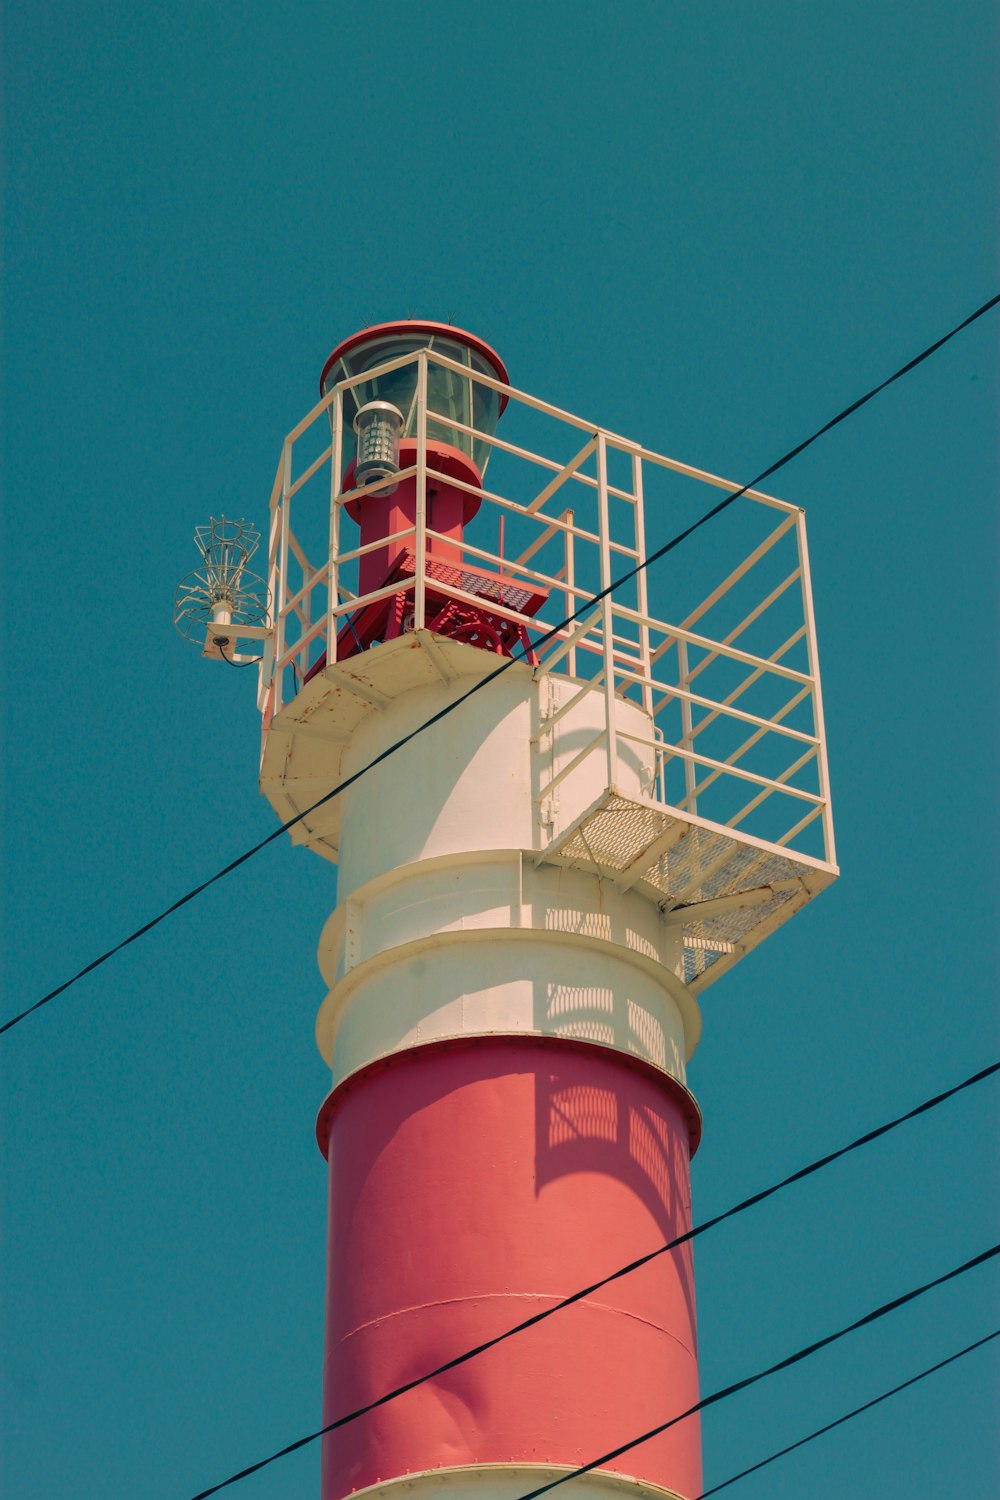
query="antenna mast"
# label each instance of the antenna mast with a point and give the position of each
(223, 602)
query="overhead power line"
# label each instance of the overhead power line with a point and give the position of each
(595, 1286)
(588, 604)
(726, 1391)
(866, 1406)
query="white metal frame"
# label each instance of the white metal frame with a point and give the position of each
(570, 546)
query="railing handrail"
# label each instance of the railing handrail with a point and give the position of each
(620, 647)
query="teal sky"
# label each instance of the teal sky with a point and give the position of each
(708, 226)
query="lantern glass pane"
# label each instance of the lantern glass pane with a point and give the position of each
(453, 397)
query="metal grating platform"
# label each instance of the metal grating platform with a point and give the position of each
(726, 890)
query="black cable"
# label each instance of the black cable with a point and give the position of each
(239, 665)
(357, 639)
(782, 1364)
(931, 1370)
(540, 1317)
(483, 682)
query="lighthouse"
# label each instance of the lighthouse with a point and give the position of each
(574, 800)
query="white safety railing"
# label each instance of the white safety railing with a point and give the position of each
(729, 686)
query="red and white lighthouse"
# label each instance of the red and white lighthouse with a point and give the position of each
(534, 889)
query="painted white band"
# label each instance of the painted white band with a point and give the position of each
(508, 1481)
(485, 943)
(514, 982)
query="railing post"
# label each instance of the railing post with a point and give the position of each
(333, 576)
(570, 565)
(282, 595)
(305, 624)
(687, 730)
(819, 727)
(266, 672)
(607, 606)
(660, 768)
(642, 603)
(420, 538)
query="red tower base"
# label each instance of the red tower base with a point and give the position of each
(472, 1184)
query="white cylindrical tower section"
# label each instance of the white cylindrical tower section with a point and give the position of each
(448, 926)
